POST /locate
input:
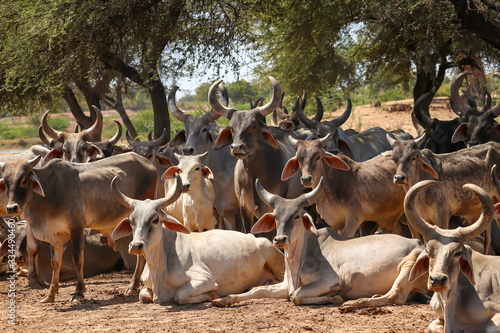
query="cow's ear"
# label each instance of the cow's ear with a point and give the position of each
(290, 169)
(4, 248)
(426, 165)
(496, 127)
(420, 267)
(3, 186)
(265, 224)
(94, 152)
(225, 138)
(335, 162)
(497, 207)
(53, 153)
(163, 161)
(169, 173)
(270, 139)
(345, 149)
(171, 223)
(179, 139)
(287, 125)
(122, 229)
(460, 133)
(207, 173)
(35, 185)
(466, 266)
(308, 223)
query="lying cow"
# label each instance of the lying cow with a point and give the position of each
(61, 199)
(198, 267)
(324, 267)
(195, 206)
(465, 282)
(354, 191)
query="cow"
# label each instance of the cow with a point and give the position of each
(262, 152)
(465, 282)
(61, 199)
(360, 146)
(323, 267)
(194, 208)
(470, 165)
(354, 191)
(198, 136)
(193, 268)
(76, 147)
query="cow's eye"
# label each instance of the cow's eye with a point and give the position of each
(204, 130)
(297, 217)
(317, 157)
(458, 254)
(196, 169)
(155, 221)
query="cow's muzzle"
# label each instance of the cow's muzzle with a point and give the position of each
(136, 248)
(281, 241)
(188, 150)
(438, 282)
(13, 209)
(239, 150)
(186, 187)
(400, 179)
(306, 181)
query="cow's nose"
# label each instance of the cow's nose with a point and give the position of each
(280, 240)
(438, 279)
(306, 180)
(135, 247)
(188, 150)
(238, 147)
(399, 179)
(185, 187)
(12, 209)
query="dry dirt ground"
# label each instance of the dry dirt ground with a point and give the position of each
(107, 309)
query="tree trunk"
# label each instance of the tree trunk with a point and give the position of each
(160, 109)
(118, 106)
(75, 108)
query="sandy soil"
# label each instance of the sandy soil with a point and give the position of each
(107, 309)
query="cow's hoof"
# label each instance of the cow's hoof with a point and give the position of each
(146, 296)
(220, 302)
(77, 298)
(336, 300)
(130, 291)
(48, 299)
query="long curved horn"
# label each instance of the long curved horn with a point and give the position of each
(420, 140)
(34, 161)
(319, 110)
(224, 96)
(307, 199)
(42, 136)
(96, 129)
(129, 139)
(470, 100)
(257, 102)
(150, 136)
(304, 100)
(275, 99)
(172, 106)
(343, 118)
(47, 129)
(458, 105)
(215, 104)
(119, 196)
(172, 195)
(161, 140)
(488, 101)
(422, 227)
(484, 220)
(282, 114)
(267, 197)
(302, 117)
(421, 116)
(118, 134)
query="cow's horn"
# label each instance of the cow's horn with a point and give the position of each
(34, 161)
(172, 106)
(417, 110)
(293, 141)
(390, 139)
(161, 140)
(224, 100)
(458, 105)
(215, 104)
(325, 139)
(414, 219)
(319, 110)
(120, 197)
(420, 140)
(267, 197)
(275, 99)
(95, 130)
(129, 139)
(42, 136)
(173, 193)
(488, 101)
(474, 230)
(343, 118)
(309, 198)
(47, 129)
(302, 117)
(118, 134)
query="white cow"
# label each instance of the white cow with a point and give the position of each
(195, 206)
(198, 267)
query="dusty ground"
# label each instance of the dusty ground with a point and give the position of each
(107, 309)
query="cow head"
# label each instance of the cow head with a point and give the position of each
(199, 133)
(288, 217)
(147, 148)
(247, 130)
(311, 159)
(74, 147)
(191, 170)
(19, 182)
(445, 254)
(144, 221)
(409, 159)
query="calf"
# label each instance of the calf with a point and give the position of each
(193, 268)
(354, 191)
(324, 267)
(195, 206)
(465, 282)
(61, 199)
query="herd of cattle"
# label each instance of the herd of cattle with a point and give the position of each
(353, 219)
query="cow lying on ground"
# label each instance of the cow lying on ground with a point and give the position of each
(197, 267)
(466, 283)
(324, 267)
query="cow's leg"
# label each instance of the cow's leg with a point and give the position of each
(319, 291)
(279, 290)
(77, 238)
(57, 253)
(33, 249)
(134, 283)
(436, 326)
(352, 224)
(196, 291)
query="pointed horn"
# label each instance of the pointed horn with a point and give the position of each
(343, 118)
(390, 139)
(319, 110)
(174, 192)
(279, 111)
(95, 130)
(458, 105)
(417, 110)
(307, 199)
(42, 136)
(150, 136)
(267, 197)
(275, 99)
(412, 216)
(215, 104)
(470, 100)
(475, 229)
(161, 140)
(224, 96)
(172, 106)
(302, 117)
(420, 140)
(129, 139)
(118, 134)
(257, 102)
(304, 100)
(326, 139)
(78, 127)
(488, 101)
(47, 129)
(293, 141)
(119, 196)
(34, 161)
